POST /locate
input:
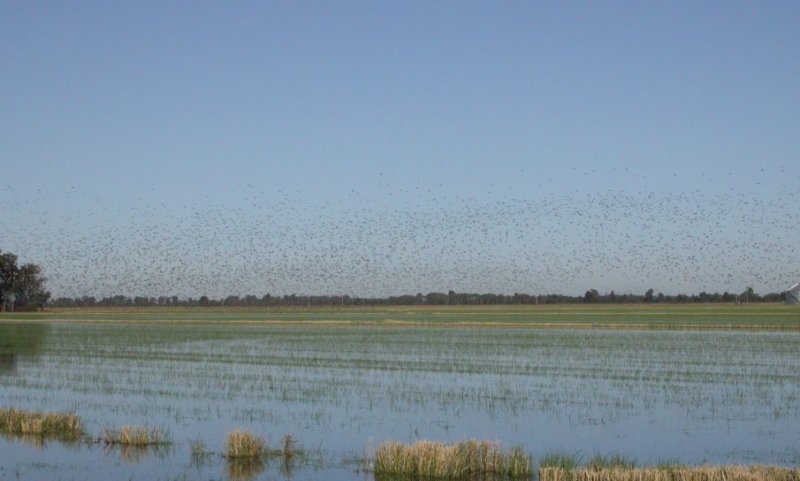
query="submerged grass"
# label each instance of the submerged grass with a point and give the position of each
(435, 460)
(40, 424)
(289, 447)
(135, 436)
(672, 473)
(199, 452)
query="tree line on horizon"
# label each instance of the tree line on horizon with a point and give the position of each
(22, 288)
(452, 298)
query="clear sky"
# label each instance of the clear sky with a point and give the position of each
(378, 148)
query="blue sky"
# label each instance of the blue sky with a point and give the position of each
(118, 113)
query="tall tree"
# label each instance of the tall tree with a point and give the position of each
(8, 277)
(21, 288)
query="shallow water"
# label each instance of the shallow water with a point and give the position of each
(688, 396)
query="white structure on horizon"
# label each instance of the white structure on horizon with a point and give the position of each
(793, 294)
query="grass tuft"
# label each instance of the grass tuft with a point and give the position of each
(46, 424)
(134, 436)
(243, 444)
(434, 460)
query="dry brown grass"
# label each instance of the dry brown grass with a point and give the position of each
(46, 424)
(243, 444)
(677, 473)
(134, 436)
(434, 460)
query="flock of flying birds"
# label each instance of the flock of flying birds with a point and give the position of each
(279, 243)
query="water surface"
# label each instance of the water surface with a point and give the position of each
(688, 396)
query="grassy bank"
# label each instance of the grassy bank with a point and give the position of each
(464, 460)
(672, 473)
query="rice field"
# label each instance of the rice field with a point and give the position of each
(346, 382)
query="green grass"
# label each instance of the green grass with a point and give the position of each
(561, 461)
(610, 461)
(746, 316)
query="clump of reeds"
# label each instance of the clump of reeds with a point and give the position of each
(434, 460)
(243, 444)
(46, 424)
(672, 473)
(134, 436)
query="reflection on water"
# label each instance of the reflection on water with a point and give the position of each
(27, 439)
(8, 363)
(244, 469)
(135, 454)
(19, 340)
(40, 442)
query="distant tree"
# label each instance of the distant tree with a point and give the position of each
(8, 277)
(21, 288)
(30, 292)
(436, 298)
(648, 296)
(591, 296)
(749, 295)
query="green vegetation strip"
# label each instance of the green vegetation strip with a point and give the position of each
(47, 424)
(703, 316)
(467, 459)
(672, 473)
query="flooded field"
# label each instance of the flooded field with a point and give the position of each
(653, 396)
